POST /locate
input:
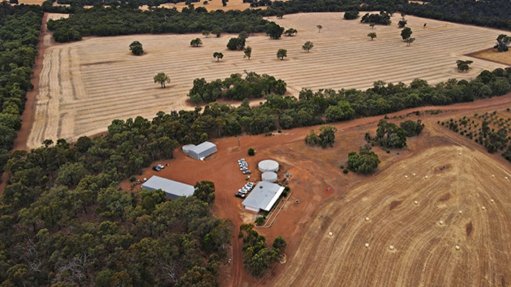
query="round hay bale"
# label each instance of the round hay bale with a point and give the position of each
(366, 219)
(391, 247)
(366, 245)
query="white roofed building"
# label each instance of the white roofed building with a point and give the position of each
(173, 189)
(263, 196)
(200, 151)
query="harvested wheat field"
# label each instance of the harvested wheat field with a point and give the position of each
(85, 85)
(211, 5)
(492, 55)
(440, 218)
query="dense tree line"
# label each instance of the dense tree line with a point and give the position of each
(64, 222)
(493, 13)
(19, 35)
(112, 21)
(257, 257)
(252, 86)
(484, 13)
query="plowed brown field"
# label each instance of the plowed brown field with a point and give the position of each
(85, 85)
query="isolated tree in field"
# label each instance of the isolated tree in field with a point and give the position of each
(280, 15)
(325, 138)
(402, 23)
(365, 161)
(319, 28)
(224, 2)
(409, 41)
(371, 35)
(406, 33)
(162, 79)
(236, 44)
(502, 43)
(196, 42)
(291, 32)
(371, 25)
(281, 54)
(308, 46)
(351, 15)
(136, 48)
(463, 66)
(247, 52)
(218, 56)
(206, 33)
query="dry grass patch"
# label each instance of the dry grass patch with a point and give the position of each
(492, 55)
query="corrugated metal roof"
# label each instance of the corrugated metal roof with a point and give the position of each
(169, 186)
(200, 151)
(263, 196)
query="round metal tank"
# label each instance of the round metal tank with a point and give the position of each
(268, 165)
(269, 176)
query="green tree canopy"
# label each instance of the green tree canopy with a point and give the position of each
(136, 48)
(162, 79)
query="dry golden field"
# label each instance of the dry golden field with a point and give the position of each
(211, 6)
(440, 218)
(492, 55)
(85, 85)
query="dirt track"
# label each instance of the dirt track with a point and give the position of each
(87, 84)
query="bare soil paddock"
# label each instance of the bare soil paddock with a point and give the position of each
(85, 85)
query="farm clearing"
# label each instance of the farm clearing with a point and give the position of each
(85, 85)
(319, 188)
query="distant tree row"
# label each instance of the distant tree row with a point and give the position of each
(483, 13)
(19, 35)
(236, 87)
(493, 13)
(99, 21)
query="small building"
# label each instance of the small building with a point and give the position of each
(268, 165)
(173, 189)
(269, 176)
(263, 196)
(200, 151)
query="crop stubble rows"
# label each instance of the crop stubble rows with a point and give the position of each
(443, 181)
(87, 84)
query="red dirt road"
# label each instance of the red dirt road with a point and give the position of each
(28, 114)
